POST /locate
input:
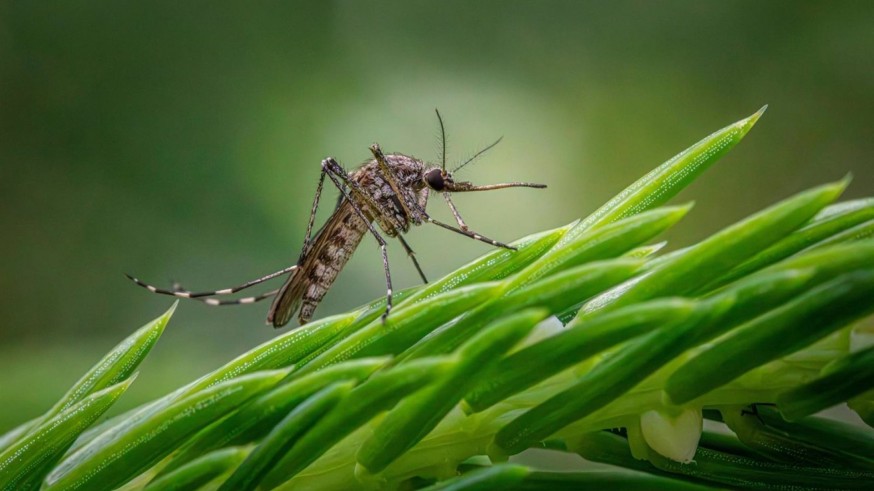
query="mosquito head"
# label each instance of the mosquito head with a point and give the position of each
(438, 179)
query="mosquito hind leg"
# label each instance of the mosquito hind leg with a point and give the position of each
(180, 293)
(336, 174)
(214, 302)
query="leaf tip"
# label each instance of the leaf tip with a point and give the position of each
(746, 124)
(847, 179)
(758, 114)
(684, 208)
(171, 310)
(835, 189)
(160, 323)
(122, 386)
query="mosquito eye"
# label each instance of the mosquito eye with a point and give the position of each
(434, 179)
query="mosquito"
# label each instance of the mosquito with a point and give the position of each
(387, 194)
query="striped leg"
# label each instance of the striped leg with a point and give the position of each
(214, 302)
(176, 292)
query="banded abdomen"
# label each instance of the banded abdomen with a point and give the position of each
(331, 249)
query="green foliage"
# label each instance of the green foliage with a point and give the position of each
(478, 363)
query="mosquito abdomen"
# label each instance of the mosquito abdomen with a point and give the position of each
(331, 251)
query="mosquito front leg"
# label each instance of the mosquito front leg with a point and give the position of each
(458, 219)
(336, 173)
(469, 233)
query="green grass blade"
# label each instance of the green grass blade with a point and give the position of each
(265, 456)
(45, 443)
(16, 433)
(117, 365)
(279, 352)
(379, 393)
(257, 417)
(404, 328)
(842, 380)
(827, 263)
(106, 463)
(418, 414)
(843, 207)
(642, 356)
(610, 241)
(556, 293)
(605, 382)
(721, 251)
(195, 474)
(496, 265)
(646, 251)
(754, 296)
(824, 230)
(784, 330)
(861, 231)
(578, 341)
(666, 180)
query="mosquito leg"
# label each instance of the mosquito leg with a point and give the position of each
(176, 292)
(214, 302)
(336, 173)
(469, 233)
(461, 224)
(412, 256)
(308, 236)
(337, 170)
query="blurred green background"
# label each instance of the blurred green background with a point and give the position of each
(182, 141)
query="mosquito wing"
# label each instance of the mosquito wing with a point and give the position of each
(320, 264)
(287, 300)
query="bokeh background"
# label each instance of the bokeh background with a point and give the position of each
(182, 141)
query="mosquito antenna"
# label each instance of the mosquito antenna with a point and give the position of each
(442, 139)
(477, 154)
